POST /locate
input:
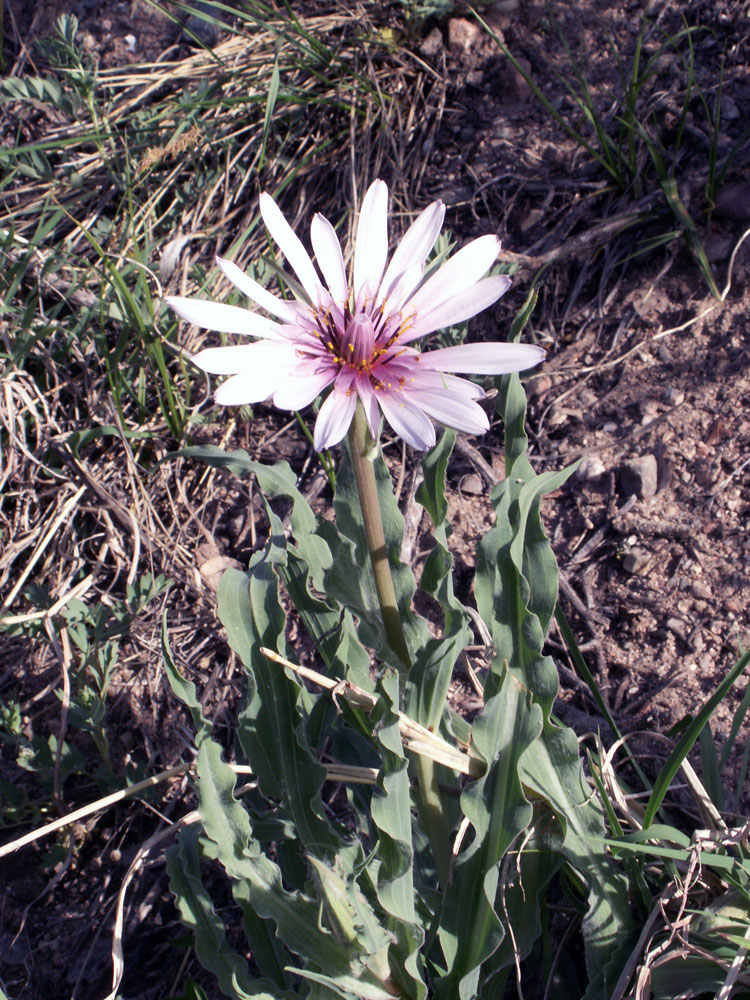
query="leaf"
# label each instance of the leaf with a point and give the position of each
(250, 610)
(197, 912)
(470, 926)
(350, 580)
(391, 813)
(276, 481)
(185, 690)
(429, 679)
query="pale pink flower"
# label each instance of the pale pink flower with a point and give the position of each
(358, 337)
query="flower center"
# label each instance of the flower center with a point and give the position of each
(358, 343)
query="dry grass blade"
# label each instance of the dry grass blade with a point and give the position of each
(416, 737)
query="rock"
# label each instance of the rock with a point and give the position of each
(591, 468)
(733, 201)
(639, 476)
(729, 110)
(463, 35)
(432, 44)
(676, 625)
(471, 483)
(637, 562)
(700, 589)
(538, 386)
(674, 396)
(517, 90)
(610, 427)
(206, 32)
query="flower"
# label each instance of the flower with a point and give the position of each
(358, 338)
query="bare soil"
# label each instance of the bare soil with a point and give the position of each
(643, 364)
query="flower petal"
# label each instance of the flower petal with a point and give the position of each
(334, 418)
(291, 246)
(409, 422)
(270, 368)
(451, 410)
(413, 249)
(457, 274)
(460, 307)
(300, 390)
(484, 359)
(263, 357)
(259, 295)
(369, 405)
(371, 248)
(223, 318)
(329, 256)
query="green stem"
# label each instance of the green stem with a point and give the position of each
(364, 473)
(429, 805)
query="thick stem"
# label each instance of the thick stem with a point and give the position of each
(364, 473)
(430, 806)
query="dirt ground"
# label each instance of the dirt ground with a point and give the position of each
(647, 384)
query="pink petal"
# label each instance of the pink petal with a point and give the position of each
(371, 247)
(451, 410)
(259, 295)
(413, 249)
(263, 357)
(457, 274)
(329, 256)
(334, 418)
(484, 359)
(223, 318)
(439, 381)
(369, 405)
(292, 248)
(409, 422)
(299, 391)
(460, 307)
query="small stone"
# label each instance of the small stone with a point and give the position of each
(733, 201)
(463, 35)
(610, 427)
(538, 386)
(676, 625)
(432, 44)
(639, 476)
(471, 483)
(700, 589)
(637, 562)
(674, 396)
(664, 354)
(517, 89)
(729, 110)
(590, 468)
(706, 663)
(206, 32)
(587, 398)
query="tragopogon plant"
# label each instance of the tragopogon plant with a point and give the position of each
(423, 875)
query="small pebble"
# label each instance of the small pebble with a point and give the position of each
(471, 483)
(610, 427)
(676, 625)
(432, 44)
(701, 589)
(639, 476)
(637, 562)
(591, 468)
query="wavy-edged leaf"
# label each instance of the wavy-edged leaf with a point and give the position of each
(350, 580)
(391, 814)
(471, 928)
(197, 912)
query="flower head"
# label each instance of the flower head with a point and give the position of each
(358, 337)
